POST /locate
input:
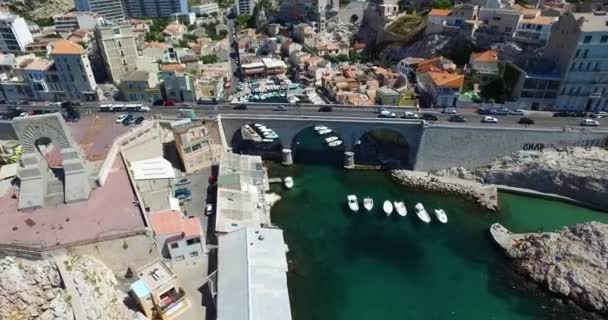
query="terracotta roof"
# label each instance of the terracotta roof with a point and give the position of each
(172, 222)
(66, 47)
(40, 65)
(81, 33)
(485, 56)
(541, 20)
(446, 79)
(440, 12)
(173, 67)
(156, 44)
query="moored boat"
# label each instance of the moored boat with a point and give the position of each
(323, 131)
(441, 216)
(400, 208)
(288, 181)
(353, 204)
(422, 214)
(319, 128)
(335, 143)
(387, 207)
(330, 139)
(368, 203)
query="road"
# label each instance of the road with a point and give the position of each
(542, 119)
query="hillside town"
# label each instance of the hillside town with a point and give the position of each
(124, 195)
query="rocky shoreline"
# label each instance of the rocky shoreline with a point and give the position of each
(572, 262)
(485, 196)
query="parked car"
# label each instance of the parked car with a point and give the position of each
(157, 103)
(139, 120)
(489, 119)
(169, 103)
(562, 114)
(182, 182)
(502, 112)
(429, 117)
(380, 110)
(387, 114)
(326, 109)
(280, 108)
(517, 112)
(23, 102)
(130, 119)
(55, 104)
(526, 121)
(208, 209)
(410, 115)
(578, 114)
(240, 107)
(589, 123)
(449, 111)
(184, 191)
(483, 111)
(457, 118)
(599, 115)
(121, 118)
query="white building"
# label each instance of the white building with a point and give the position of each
(155, 8)
(74, 70)
(178, 238)
(205, 8)
(579, 45)
(535, 29)
(118, 49)
(252, 275)
(14, 33)
(68, 22)
(244, 6)
(111, 10)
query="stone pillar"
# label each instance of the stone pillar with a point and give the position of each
(349, 159)
(287, 159)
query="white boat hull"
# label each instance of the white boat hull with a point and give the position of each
(288, 182)
(353, 204)
(422, 214)
(387, 207)
(441, 216)
(400, 208)
(368, 204)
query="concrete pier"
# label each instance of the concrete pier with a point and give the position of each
(287, 158)
(349, 159)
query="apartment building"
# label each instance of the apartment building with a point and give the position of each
(177, 84)
(118, 50)
(244, 7)
(111, 10)
(155, 8)
(14, 33)
(499, 22)
(178, 237)
(71, 21)
(140, 85)
(36, 74)
(74, 70)
(533, 27)
(193, 145)
(578, 43)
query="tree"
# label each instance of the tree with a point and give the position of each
(470, 79)
(354, 56)
(210, 58)
(354, 18)
(342, 57)
(442, 4)
(223, 34)
(245, 21)
(494, 91)
(330, 58)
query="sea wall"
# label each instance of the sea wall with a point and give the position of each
(444, 146)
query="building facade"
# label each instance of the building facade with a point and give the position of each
(177, 84)
(579, 44)
(179, 238)
(68, 22)
(140, 85)
(193, 145)
(111, 10)
(244, 7)
(118, 50)
(155, 8)
(74, 70)
(14, 34)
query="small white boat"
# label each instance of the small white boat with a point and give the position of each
(422, 214)
(330, 139)
(353, 204)
(288, 181)
(267, 140)
(271, 136)
(319, 128)
(257, 125)
(400, 208)
(441, 216)
(335, 143)
(323, 131)
(387, 207)
(368, 204)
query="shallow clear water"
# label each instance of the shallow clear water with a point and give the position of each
(369, 266)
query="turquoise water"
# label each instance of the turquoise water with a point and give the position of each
(369, 266)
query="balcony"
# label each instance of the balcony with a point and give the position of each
(171, 300)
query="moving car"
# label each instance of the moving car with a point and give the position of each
(502, 112)
(449, 111)
(562, 114)
(387, 114)
(489, 119)
(457, 118)
(483, 111)
(169, 103)
(517, 112)
(121, 118)
(429, 117)
(326, 109)
(410, 115)
(130, 119)
(599, 115)
(280, 108)
(525, 120)
(589, 123)
(240, 107)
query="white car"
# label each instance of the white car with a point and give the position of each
(387, 114)
(449, 111)
(489, 120)
(589, 123)
(121, 118)
(517, 112)
(410, 115)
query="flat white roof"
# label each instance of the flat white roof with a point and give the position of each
(155, 168)
(252, 275)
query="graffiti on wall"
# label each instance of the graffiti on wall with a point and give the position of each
(578, 143)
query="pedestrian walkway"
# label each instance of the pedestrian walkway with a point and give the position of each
(61, 260)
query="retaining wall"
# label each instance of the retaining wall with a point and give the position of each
(441, 147)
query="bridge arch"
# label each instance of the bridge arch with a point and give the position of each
(383, 146)
(242, 144)
(308, 146)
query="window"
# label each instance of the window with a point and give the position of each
(604, 39)
(572, 66)
(578, 51)
(597, 67)
(180, 257)
(119, 44)
(194, 254)
(193, 241)
(587, 39)
(588, 66)
(586, 53)
(174, 245)
(116, 31)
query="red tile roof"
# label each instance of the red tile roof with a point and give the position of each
(485, 56)
(66, 47)
(446, 79)
(440, 12)
(172, 222)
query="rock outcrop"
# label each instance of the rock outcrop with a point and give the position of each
(578, 173)
(34, 290)
(37, 9)
(572, 262)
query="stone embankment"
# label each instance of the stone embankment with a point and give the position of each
(485, 196)
(35, 290)
(577, 173)
(572, 262)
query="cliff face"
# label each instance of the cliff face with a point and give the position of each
(572, 262)
(578, 173)
(34, 290)
(37, 9)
